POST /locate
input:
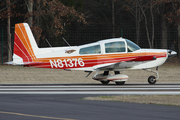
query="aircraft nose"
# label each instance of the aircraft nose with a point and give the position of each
(171, 53)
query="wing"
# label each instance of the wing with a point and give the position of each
(128, 63)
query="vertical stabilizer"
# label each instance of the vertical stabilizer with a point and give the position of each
(24, 44)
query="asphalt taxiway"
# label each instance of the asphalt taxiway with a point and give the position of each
(65, 102)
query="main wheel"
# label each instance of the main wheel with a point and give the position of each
(120, 83)
(152, 79)
(105, 82)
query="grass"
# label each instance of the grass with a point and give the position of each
(170, 100)
(26, 75)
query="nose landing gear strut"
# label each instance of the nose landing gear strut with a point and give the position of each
(152, 79)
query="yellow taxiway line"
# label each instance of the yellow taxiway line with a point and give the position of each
(37, 116)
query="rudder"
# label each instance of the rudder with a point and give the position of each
(24, 44)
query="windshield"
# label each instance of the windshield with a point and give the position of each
(132, 46)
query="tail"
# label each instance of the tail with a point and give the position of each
(25, 45)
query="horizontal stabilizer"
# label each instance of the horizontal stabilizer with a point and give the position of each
(25, 63)
(9, 63)
(32, 63)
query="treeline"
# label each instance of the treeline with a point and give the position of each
(149, 23)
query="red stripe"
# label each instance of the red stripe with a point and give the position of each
(91, 63)
(20, 50)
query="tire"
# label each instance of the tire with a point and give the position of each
(152, 79)
(120, 83)
(105, 82)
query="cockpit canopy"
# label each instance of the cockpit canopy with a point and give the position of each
(109, 46)
(95, 49)
(131, 47)
(114, 47)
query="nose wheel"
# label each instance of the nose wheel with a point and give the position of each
(152, 79)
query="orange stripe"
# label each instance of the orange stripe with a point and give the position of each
(22, 34)
(98, 57)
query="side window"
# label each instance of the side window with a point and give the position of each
(90, 50)
(114, 47)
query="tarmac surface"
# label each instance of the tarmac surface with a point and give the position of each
(135, 89)
(72, 107)
(65, 102)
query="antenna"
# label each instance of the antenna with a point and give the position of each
(66, 42)
(49, 44)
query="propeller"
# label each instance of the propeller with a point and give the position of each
(171, 53)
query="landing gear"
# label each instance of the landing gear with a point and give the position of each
(152, 79)
(106, 73)
(105, 82)
(102, 77)
(116, 72)
(106, 77)
(120, 83)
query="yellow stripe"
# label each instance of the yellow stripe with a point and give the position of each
(37, 116)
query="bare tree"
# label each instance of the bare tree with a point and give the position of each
(152, 19)
(162, 12)
(138, 18)
(164, 33)
(133, 6)
(8, 30)
(29, 4)
(179, 41)
(176, 8)
(170, 14)
(146, 8)
(113, 20)
(6, 14)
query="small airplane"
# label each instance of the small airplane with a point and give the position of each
(116, 54)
